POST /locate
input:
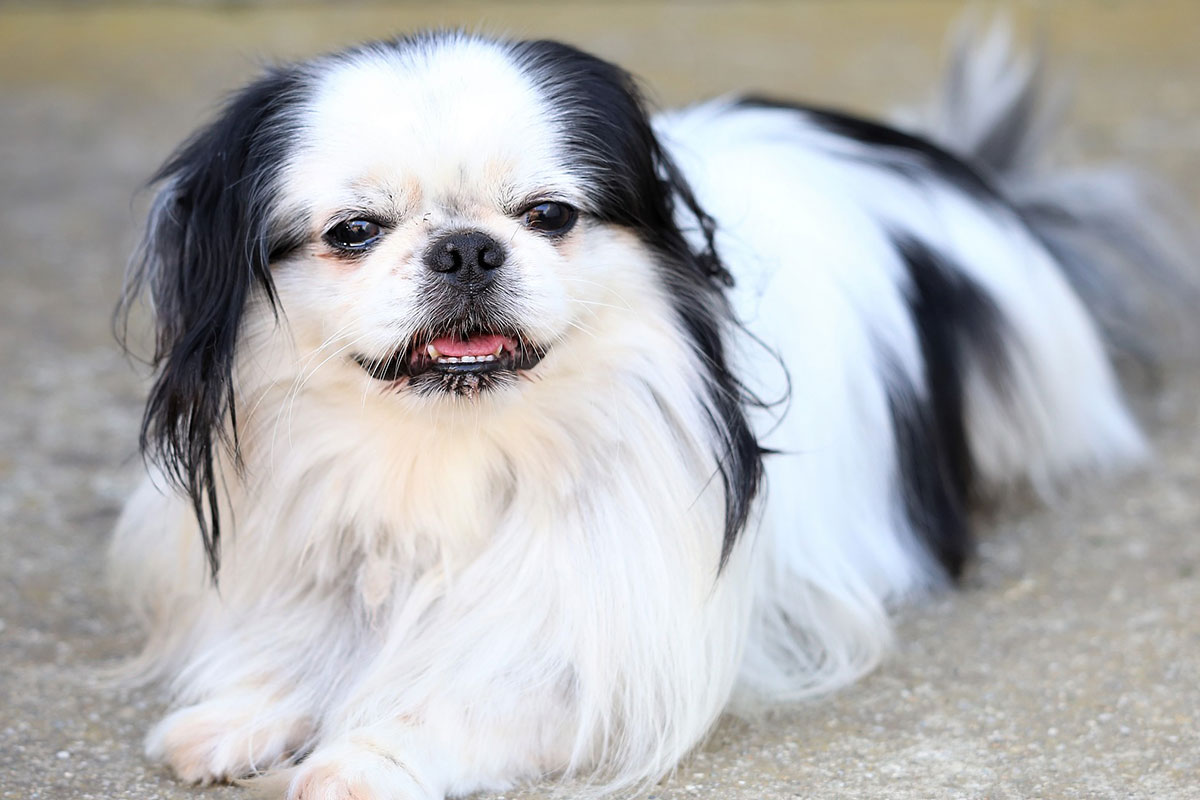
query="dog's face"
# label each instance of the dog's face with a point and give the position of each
(433, 219)
(453, 239)
(450, 215)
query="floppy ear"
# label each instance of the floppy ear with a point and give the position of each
(637, 185)
(697, 277)
(207, 249)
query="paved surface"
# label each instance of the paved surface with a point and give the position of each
(1068, 666)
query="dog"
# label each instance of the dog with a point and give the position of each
(501, 430)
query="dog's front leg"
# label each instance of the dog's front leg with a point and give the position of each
(388, 761)
(403, 759)
(239, 731)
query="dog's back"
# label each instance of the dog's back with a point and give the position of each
(933, 301)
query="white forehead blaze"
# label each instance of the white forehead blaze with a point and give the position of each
(425, 127)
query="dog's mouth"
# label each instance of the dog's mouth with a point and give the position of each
(460, 363)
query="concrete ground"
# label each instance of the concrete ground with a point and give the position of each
(1067, 666)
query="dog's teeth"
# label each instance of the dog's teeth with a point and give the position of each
(441, 359)
(436, 356)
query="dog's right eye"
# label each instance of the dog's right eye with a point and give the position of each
(354, 234)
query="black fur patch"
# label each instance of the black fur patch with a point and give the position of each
(959, 329)
(637, 186)
(207, 249)
(899, 151)
(958, 326)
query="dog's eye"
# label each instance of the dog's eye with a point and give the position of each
(354, 234)
(550, 218)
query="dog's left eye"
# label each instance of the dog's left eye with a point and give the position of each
(354, 234)
(550, 217)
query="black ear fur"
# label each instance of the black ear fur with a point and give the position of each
(208, 247)
(697, 285)
(637, 185)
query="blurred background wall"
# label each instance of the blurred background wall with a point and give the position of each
(147, 73)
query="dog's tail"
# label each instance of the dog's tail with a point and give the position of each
(1127, 244)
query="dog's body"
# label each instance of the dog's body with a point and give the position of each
(438, 579)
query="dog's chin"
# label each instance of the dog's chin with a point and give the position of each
(464, 364)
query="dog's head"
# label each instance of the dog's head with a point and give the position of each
(440, 217)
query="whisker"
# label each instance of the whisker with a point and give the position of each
(598, 303)
(289, 405)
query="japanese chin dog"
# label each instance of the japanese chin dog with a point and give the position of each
(501, 430)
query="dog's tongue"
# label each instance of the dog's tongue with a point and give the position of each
(482, 345)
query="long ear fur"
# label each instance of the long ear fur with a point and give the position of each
(208, 246)
(609, 134)
(696, 279)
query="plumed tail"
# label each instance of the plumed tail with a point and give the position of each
(1127, 243)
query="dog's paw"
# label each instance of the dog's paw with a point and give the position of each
(224, 739)
(358, 768)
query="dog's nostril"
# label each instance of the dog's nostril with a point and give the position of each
(491, 257)
(465, 255)
(446, 258)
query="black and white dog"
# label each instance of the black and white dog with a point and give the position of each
(532, 427)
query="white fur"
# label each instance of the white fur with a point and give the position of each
(819, 283)
(434, 597)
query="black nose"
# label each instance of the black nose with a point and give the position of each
(466, 258)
